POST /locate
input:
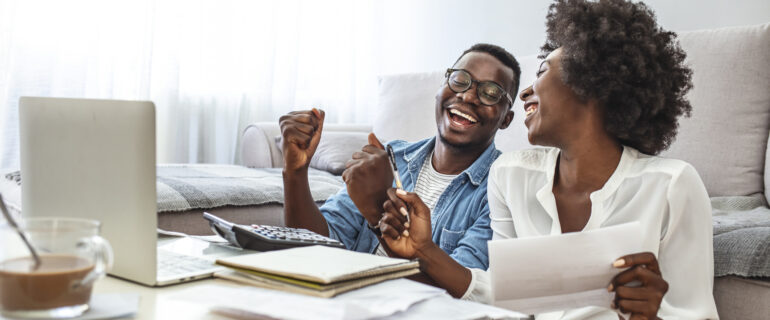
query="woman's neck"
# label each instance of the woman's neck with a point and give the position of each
(585, 165)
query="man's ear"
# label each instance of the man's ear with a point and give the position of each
(507, 119)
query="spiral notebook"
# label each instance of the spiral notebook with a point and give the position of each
(319, 264)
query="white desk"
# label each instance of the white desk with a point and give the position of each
(165, 303)
(154, 303)
(159, 303)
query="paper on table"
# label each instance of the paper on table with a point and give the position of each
(375, 301)
(550, 273)
(111, 306)
(446, 307)
(212, 239)
(387, 297)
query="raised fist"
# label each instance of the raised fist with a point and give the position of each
(300, 132)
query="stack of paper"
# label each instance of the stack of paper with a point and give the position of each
(316, 270)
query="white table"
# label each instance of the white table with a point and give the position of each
(155, 302)
(159, 303)
(165, 303)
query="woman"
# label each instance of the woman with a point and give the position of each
(606, 100)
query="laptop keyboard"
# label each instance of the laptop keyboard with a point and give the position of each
(171, 264)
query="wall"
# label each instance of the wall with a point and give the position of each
(415, 36)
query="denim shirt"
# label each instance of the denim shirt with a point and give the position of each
(460, 220)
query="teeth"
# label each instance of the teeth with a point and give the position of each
(466, 116)
(530, 110)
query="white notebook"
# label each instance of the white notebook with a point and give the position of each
(319, 264)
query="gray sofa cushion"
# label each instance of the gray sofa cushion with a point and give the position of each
(739, 298)
(726, 137)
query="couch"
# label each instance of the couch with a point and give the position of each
(725, 139)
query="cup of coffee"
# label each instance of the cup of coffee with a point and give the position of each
(72, 257)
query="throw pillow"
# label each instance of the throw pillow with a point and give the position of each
(334, 150)
(726, 137)
(406, 106)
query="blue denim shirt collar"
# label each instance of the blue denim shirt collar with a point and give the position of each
(416, 155)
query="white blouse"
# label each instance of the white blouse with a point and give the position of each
(666, 196)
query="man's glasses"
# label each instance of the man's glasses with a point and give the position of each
(489, 93)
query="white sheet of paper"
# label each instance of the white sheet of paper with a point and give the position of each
(559, 272)
(212, 239)
(446, 307)
(375, 301)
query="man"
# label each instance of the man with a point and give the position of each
(448, 171)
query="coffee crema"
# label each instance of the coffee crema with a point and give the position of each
(54, 284)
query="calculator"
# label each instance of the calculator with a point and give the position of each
(267, 238)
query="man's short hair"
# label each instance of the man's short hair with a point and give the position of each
(503, 56)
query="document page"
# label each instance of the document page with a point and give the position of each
(376, 301)
(559, 272)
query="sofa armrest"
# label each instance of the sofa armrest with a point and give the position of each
(258, 149)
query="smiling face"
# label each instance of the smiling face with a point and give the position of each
(462, 120)
(553, 111)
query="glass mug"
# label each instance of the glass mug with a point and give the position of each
(73, 256)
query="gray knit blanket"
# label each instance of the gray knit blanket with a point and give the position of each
(182, 187)
(195, 186)
(741, 236)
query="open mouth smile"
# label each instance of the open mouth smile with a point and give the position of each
(461, 119)
(530, 108)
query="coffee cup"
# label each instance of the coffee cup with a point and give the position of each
(72, 257)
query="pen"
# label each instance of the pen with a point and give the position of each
(393, 166)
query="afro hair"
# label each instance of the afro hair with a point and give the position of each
(615, 52)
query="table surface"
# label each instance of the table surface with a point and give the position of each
(155, 302)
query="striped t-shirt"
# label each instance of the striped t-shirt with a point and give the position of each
(429, 187)
(430, 183)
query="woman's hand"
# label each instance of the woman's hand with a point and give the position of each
(403, 238)
(414, 240)
(640, 289)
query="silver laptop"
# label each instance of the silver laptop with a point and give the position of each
(96, 159)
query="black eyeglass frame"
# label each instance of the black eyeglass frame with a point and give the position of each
(478, 84)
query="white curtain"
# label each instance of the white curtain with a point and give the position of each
(211, 67)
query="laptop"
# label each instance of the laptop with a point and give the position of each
(95, 159)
